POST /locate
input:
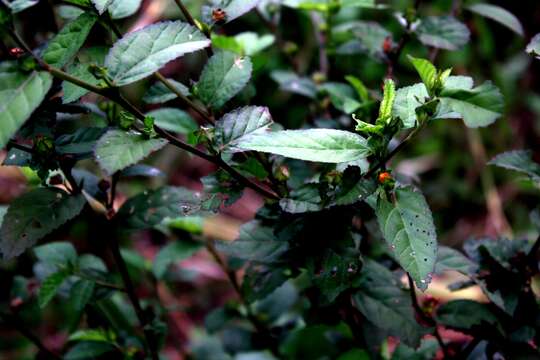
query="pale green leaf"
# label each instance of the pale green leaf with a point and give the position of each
(142, 52)
(20, 95)
(159, 93)
(120, 9)
(119, 149)
(253, 43)
(17, 6)
(533, 48)
(407, 226)
(172, 253)
(444, 32)
(518, 160)
(499, 15)
(56, 253)
(320, 145)
(174, 120)
(241, 122)
(49, 287)
(34, 215)
(223, 77)
(232, 8)
(101, 5)
(69, 40)
(408, 99)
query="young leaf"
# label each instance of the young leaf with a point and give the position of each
(21, 95)
(34, 215)
(499, 15)
(119, 149)
(320, 145)
(444, 32)
(407, 227)
(232, 9)
(80, 69)
(518, 160)
(479, 106)
(242, 122)
(142, 52)
(172, 253)
(174, 120)
(50, 287)
(253, 43)
(159, 93)
(533, 48)
(384, 303)
(224, 75)
(150, 208)
(69, 40)
(385, 109)
(427, 72)
(120, 9)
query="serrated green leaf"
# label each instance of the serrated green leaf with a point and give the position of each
(56, 253)
(73, 92)
(241, 122)
(81, 142)
(407, 226)
(81, 293)
(302, 200)
(150, 208)
(20, 95)
(34, 215)
(120, 9)
(174, 120)
(466, 314)
(451, 259)
(88, 350)
(444, 32)
(320, 145)
(101, 5)
(119, 149)
(518, 160)
(159, 93)
(49, 287)
(223, 77)
(499, 15)
(384, 303)
(142, 52)
(173, 253)
(427, 72)
(232, 9)
(69, 40)
(479, 106)
(17, 6)
(408, 99)
(533, 48)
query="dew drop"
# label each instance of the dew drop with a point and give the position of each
(393, 247)
(334, 270)
(12, 157)
(58, 196)
(413, 253)
(423, 281)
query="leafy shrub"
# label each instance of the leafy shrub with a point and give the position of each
(336, 260)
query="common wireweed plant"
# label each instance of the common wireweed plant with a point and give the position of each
(333, 258)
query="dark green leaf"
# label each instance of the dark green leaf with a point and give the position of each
(81, 293)
(232, 9)
(223, 77)
(172, 253)
(518, 160)
(500, 15)
(240, 123)
(450, 259)
(88, 350)
(289, 81)
(56, 253)
(159, 93)
(34, 215)
(444, 32)
(466, 314)
(49, 287)
(174, 120)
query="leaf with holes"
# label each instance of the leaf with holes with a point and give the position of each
(69, 40)
(117, 149)
(321, 145)
(444, 32)
(242, 122)
(34, 215)
(407, 226)
(223, 77)
(20, 95)
(142, 52)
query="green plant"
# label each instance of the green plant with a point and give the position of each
(324, 256)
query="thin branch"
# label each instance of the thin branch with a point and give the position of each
(114, 95)
(130, 290)
(16, 323)
(425, 318)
